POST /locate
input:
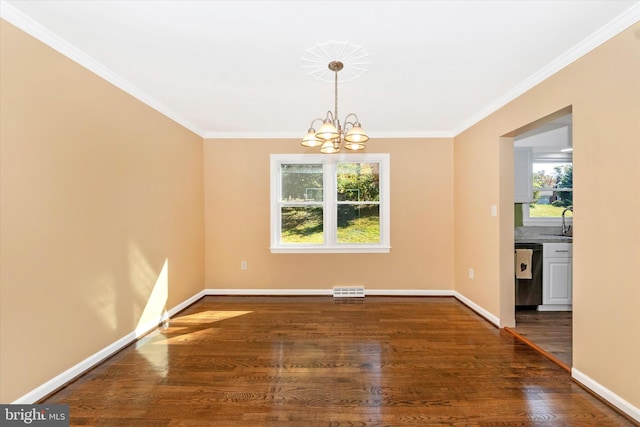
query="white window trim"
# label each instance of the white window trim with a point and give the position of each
(330, 202)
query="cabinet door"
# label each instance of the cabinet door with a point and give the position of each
(556, 282)
(523, 175)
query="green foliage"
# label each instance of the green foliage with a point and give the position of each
(355, 182)
(561, 177)
(302, 225)
(302, 182)
(541, 180)
(361, 230)
(348, 213)
(358, 182)
(564, 178)
(546, 211)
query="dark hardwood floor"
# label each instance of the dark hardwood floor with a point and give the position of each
(549, 330)
(313, 361)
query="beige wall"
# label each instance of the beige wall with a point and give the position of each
(603, 89)
(97, 193)
(237, 222)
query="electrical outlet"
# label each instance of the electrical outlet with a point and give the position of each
(471, 273)
(243, 265)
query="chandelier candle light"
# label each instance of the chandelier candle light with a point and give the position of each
(331, 135)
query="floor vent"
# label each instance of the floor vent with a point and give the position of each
(348, 292)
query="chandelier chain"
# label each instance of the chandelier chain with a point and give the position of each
(336, 100)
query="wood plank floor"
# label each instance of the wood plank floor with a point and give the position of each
(313, 361)
(550, 330)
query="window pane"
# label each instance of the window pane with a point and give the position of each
(548, 180)
(358, 223)
(358, 182)
(546, 210)
(301, 225)
(302, 182)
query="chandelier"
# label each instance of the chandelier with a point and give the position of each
(331, 135)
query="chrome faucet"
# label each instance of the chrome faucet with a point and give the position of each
(566, 229)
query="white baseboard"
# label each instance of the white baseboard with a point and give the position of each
(71, 373)
(606, 394)
(96, 358)
(269, 292)
(555, 307)
(409, 293)
(475, 307)
(326, 292)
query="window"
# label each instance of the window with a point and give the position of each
(552, 193)
(329, 203)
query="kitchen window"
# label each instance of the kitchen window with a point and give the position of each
(552, 193)
(330, 203)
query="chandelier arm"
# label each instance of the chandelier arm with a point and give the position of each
(313, 121)
(330, 116)
(346, 119)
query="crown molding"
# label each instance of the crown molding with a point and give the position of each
(610, 30)
(33, 28)
(291, 135)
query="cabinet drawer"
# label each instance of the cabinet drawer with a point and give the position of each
(557, 250)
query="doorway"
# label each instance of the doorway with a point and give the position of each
(543, 215)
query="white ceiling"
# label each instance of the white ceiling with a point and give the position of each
(234, 68)
(548, 141)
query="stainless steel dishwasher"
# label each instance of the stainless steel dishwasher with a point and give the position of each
(529, 291)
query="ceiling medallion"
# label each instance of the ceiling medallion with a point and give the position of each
(353, 58)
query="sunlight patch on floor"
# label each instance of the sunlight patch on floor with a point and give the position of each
(207, 316)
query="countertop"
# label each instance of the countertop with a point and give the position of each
(545, 239)
(541, 235)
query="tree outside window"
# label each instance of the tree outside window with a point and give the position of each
(552, 190)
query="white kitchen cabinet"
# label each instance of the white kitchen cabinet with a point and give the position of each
(557, 277)
(523, 175)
